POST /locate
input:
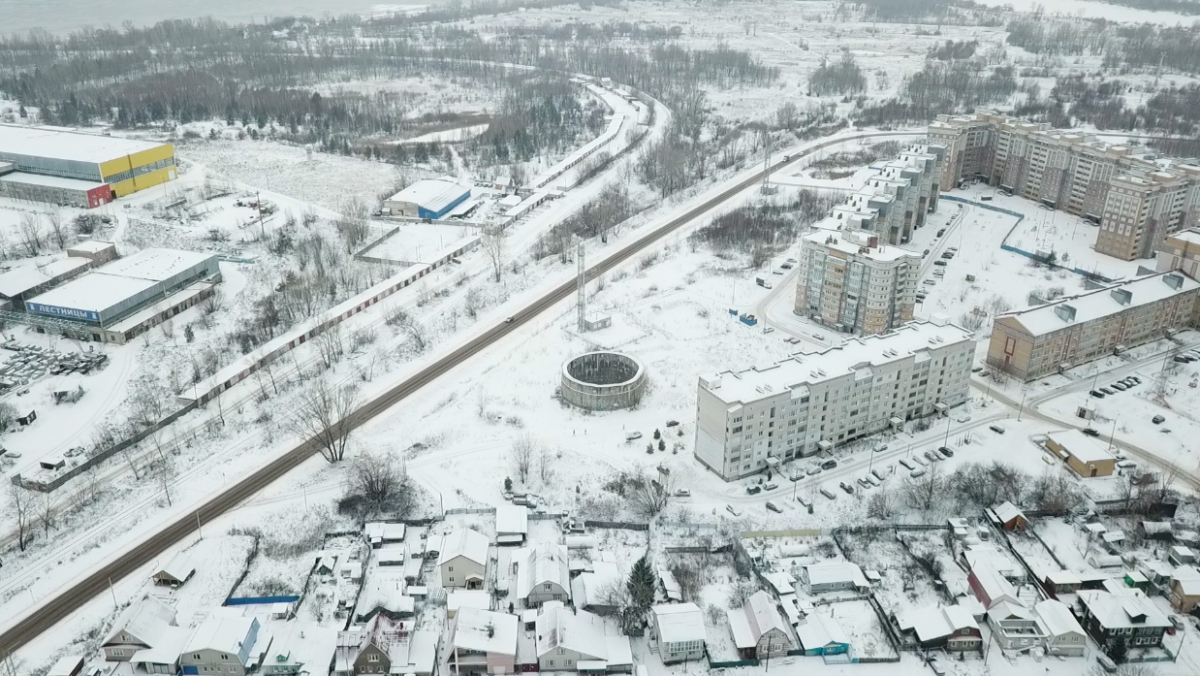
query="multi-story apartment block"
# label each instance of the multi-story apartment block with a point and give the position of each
(750, 420)
(1048, 338)
(1181, 251)
(1137, 200)
(849, 282)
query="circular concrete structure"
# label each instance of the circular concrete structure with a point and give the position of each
(603, 381)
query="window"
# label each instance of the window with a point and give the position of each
(118, 652)
(450, 568)
(549, 663)
(372, 658)
(452, 579)
(546, 586)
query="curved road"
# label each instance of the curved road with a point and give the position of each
(54, 609)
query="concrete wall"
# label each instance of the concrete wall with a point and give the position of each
(603, 381)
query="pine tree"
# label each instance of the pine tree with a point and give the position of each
(657, 434)
(641, 585)
(662, 444)
(1118, 650)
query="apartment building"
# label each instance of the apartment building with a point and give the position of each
(851, 283)
(1141, 211)
(1045, 339)
(760, 417)
(1137, 200)
(1181, 251)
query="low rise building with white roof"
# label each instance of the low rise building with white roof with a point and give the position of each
(541, 574)
(579, 641)
(427, 198)
(679, 629)
(144, 625)
(178, 570)
(224, 644)
(1131, 617)
(483, 641)
(1064, 635)
(462, 560)
(833, 576)
(752, 419)
(512, 524)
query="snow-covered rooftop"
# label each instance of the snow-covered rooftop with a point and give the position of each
(821, 630)
(835, 572)
(1093, 305)
(68, 665)
(993, 583)
(1080, 445)
(121, 279)
(1120, 612)
(180, 567)
(432, 194)
(577, 630)
(762, 614)
(465, 542)
(147, 620)
(805, 369)
(679, 622)
(65, 144)
(544, 563)
(1057, 618)
(221, 633)
(512, 519)
(19, 280)
(739, 627)
(1007, 511)
(485, 631)
(468, 598)
(857, 243)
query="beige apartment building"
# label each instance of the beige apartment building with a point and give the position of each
(851, 283)
(1137, 200)
(750, 420)
(1045, 339)
(1181, 251)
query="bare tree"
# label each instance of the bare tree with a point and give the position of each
(923, 492)
(324, 414)
(127, 454)
(492, 241)
(881, 504)
(46, 513)
(409, 325)
(21, 506)
(331, 345)
(30, 227)
(649, 495)
(57, 227)
(523, 450)
(545, 463)
(381, 483)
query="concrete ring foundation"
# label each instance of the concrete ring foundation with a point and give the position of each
(603, 381)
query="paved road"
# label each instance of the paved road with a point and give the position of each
(54, 609)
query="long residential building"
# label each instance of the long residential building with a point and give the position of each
(1137, 200)
(849, 282)
(760, 417)
(1045, 339)
(894, 201)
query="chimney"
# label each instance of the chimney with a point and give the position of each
(1065, 312)
(1122, 296)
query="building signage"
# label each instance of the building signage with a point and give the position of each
(64, 312)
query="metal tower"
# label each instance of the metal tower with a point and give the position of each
(581, 285)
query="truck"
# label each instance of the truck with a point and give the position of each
(763, 282)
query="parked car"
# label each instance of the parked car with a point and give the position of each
(945, 450)
(754, 489)
(1157, 419)
(829, 464)
(1091, 431)
(1106, 390)
(683, 493)
(996, 428)
(931, 456)
(1097, 394)
(929, 282)
(829, 494)
(926, 253)
(733, 510)
(633, 436)
(907, 465)
(815, 469)
(847, 487)
(920, 471)
(940, 263)
(1118, 387)
(881, 448)
(941, 232)
(774, 507)
(863, 482)
(770, 486)
(787, 266)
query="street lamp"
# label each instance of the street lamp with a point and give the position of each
(1113, 434)
(1021, 408)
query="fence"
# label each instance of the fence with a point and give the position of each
(616, 524)
(93, 461)
(713, 664)
(260, 600)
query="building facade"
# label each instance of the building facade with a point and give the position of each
(1180, 251)
(1045, 339)
(1136, 200)
(750, 420)
(848, 282)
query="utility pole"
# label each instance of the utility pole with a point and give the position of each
(258, 205)
(114, 594)
(198, 525)
(581, 286)
(1021, 408)
(1112, 434)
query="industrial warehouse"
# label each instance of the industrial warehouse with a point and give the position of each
(47, 164)
(124, 298)
(431, 198)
